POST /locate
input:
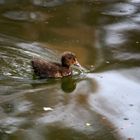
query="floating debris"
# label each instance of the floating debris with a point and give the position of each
(88, 124)
(47, 109)
(126, 118)
(107, 62)
(131, 105)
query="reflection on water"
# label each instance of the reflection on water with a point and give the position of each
(25, 16)
(121, 9)
(101, 103)
(68, 84)
(119, 104)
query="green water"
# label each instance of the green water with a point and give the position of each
(102, 104)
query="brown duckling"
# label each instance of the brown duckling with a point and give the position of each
(44, 69)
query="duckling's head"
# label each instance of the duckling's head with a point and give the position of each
(68, 59)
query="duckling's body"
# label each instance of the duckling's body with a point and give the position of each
(44, 69)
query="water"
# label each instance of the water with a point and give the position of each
(100, 104)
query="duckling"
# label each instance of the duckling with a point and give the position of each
(45, 69)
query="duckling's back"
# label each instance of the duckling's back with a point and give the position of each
(45, 69)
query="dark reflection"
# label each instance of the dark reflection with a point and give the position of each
(68, 84)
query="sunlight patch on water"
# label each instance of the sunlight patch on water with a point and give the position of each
(126, 92)
(115, 33)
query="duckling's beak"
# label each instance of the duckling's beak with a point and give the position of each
(79, 66)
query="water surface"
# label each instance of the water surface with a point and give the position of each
(102, 104)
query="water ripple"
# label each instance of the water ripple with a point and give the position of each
(115, 33)
(120, 9)
(26, 16)
(48, 3)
